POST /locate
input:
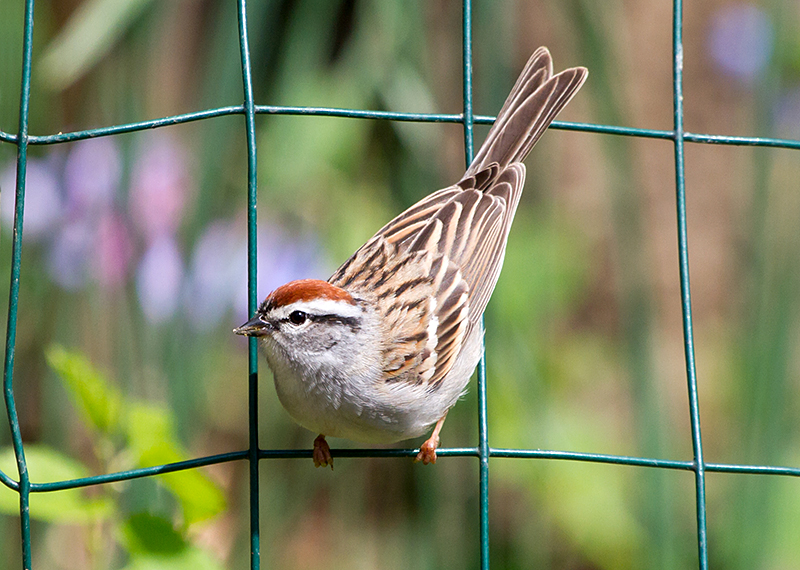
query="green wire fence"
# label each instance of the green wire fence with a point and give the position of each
(23, 484)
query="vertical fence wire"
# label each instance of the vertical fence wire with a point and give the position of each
(252, 293)
(24, 487)
(686, 296)
(483, 432)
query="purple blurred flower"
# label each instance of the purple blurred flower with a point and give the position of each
(741, 40)
(113, 251)
(159, 279)
(217, 278)
(281, 258)
(160, 186)
(69, 254)
(43, 202)
(213, 274)
(92, 175)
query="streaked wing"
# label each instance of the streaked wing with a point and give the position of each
(412, 220)
(481, 264)
(446, 251)
(425, 322)
(467, 231)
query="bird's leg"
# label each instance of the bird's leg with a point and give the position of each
(427, 451)
(322, 453)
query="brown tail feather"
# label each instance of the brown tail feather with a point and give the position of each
(535, 100)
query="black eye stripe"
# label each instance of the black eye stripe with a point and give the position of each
(300, 317)
(352, 322)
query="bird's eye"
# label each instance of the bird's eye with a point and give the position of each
(298, 317)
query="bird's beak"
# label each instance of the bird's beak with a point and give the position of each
(254, 327)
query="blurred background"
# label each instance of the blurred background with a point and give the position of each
(134, 273)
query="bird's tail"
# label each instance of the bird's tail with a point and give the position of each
(535, 100)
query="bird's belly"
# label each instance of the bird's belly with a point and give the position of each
(368, 416)
(366, 409)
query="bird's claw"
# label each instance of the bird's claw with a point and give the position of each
(322, 453)
(427, 451)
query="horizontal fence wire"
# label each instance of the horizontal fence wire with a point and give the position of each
(22, 140)
(498, 453)
(703, 138)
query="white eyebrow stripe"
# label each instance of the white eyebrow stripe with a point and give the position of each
(325, 307)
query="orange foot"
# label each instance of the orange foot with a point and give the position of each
(322, 453)
(427, 451)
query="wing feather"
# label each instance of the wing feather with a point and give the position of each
(423, 324)
(414, 219)
(438, 262)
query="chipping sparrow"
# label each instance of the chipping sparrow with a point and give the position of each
(383, 349)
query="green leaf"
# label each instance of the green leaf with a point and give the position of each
(153, 442)
(144, 533)
(98, 400)
(47, 465)
(154, 544)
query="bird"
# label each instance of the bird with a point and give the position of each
(382, 350)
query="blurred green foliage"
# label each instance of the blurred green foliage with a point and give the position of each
(60, 506)
(584, 344)
(127, 434)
